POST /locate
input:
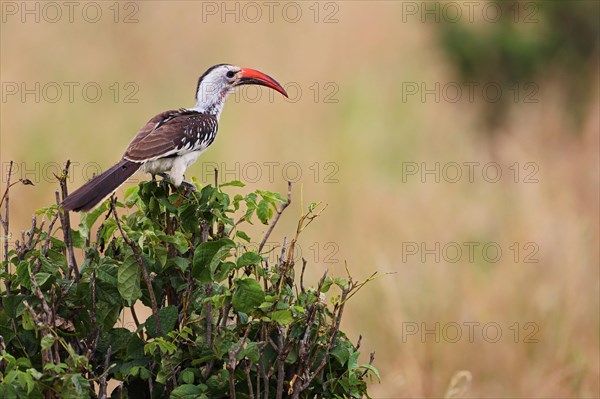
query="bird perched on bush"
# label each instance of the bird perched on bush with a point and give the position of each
(172, 140)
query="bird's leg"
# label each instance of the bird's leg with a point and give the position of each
(166, 179)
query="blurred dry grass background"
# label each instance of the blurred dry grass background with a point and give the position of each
(370, 133)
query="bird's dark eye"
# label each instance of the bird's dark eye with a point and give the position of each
(230, 74)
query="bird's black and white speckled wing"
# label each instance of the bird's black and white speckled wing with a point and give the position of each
(172, 133)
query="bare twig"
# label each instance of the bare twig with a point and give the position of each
(102, 394)
(302, 275)
(304, 374)
(45, 320)
(233, 361)
(247, 369)
(29, 242)
(95, 330)
(66, 223)
(281, 356)
(46, 246)
(5, 224)
(136, 321)
(264, 333)
(53, 323)
(204, 231)
(277, 216)
(31, 233)
(99, 239)
(209, 331)
(40, 320)
(283, 247)
(305, 221)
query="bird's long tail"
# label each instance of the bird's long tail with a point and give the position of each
(95, 190)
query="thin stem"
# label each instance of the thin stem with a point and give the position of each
(233, 361)
(5, 225)
(102, 391)
(277, 216)
(66, 224)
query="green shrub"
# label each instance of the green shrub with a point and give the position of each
(224, 322)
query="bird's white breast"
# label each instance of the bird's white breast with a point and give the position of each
(174, 166)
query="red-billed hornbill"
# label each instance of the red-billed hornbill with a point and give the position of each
(172, 140)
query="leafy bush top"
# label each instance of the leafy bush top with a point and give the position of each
(225, 323)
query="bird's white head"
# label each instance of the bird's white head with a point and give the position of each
(220, 80)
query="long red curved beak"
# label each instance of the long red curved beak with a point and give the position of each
(249, 76)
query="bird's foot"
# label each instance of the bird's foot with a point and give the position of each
(164, 175)
(189, 186)
(165, 181)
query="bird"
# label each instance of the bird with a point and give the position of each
(172, 140)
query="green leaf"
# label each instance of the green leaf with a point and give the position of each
(353, 361)
(234, 183)
(187, 376)
(77, 239)
(117, 339)
(264, 211)
(130, 191)
(144, 373)
(129, 280)
(79, 382)
(161, 255)
(248, 258)
(207, 257)
(135, 347)
(48, 211)
(265, 306)
(41, 278)
(372, 370)
(11, 303)
(26, 381)
(181, 263)
(87, 220)
(223, 271)
(189, 391)
(282, 317)
(47, 341)
(177, 239)
(110, 226)
(35, 373)
(23, 363)
(248, 295)
(340, 282)
(107, 314)
(165, 347)
(27, 320)
(326, 284)
(251, 352)
(168, 318)
(243, 236)
(271, 196)
(341, 353)
(188, 217)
